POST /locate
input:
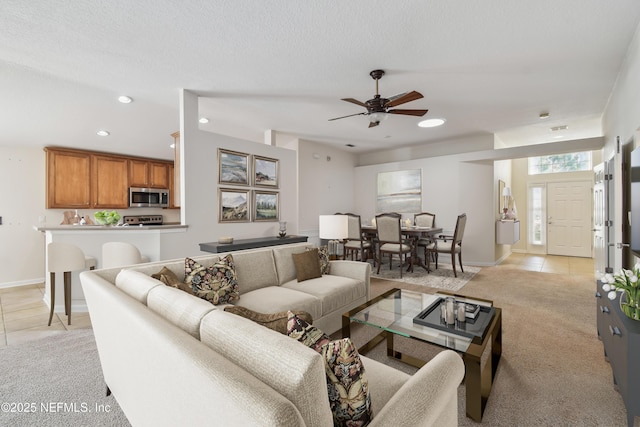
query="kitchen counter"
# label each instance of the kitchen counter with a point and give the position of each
(100, 228)
(90, 238)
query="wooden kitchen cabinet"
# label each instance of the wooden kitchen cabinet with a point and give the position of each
(68, 179)
(146, 173)
(78, 179)
(110, 186)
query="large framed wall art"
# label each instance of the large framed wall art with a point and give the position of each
(255, 178)
(399, 191)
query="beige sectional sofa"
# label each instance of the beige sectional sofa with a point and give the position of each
(171, 358)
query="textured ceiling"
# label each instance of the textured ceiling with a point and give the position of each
(487, 67)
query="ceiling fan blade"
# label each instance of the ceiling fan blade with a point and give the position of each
(355, 101)
(394, 97)
(350, 115)
(411, 96)
(373, 124)
(409, 112)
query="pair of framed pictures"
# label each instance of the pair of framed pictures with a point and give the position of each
(236, 168)
(243, 205)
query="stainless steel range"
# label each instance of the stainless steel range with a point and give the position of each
(143, 220)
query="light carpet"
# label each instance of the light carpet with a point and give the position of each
(553, 371)
(56, 381)
(440, 278)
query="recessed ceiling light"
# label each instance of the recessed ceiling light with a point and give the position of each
(431, 123)
(544, 115)
(203, 120)
(102, 133)
(125, 99)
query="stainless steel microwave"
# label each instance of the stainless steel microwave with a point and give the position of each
(148, 197)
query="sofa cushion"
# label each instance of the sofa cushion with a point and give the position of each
(291, 369)
(347, 384)
(217, 284)
(384, 382)
(302, 330)
(278, 299)
(284, 261)
(255, 270)
(334, 292)
(169, 278)
(307, 265)
(183, 310)
(136, 284)
(275, 321)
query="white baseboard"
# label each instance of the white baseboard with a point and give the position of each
(22, 283)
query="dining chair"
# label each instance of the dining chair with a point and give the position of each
(450, 244)
(119, 254)
(65, 258)
(356, 242)
(390, 240)
(425, 219)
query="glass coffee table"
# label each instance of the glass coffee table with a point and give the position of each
(478, 340)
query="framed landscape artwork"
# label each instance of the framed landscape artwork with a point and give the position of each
(265, 172)
(265, 206)
(234, 205)
(233, 167)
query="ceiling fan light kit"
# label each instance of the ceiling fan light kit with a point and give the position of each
(378, 108)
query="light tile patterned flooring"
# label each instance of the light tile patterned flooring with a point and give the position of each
(24, 315)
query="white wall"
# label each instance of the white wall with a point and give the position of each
(199, 187)
(502, 170)
(622, 119)
(326, 175)
(22, 201)
(449, 187)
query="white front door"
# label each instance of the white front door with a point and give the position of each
(569, 218)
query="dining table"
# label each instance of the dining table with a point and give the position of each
(413, 233)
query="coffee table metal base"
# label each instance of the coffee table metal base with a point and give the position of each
(478, 380)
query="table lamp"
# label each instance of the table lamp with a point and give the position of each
(334, 228)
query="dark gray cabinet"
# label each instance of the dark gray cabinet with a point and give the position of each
(621, 340)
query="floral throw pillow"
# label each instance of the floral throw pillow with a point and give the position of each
(323, 256)
(347, 384)
(299, 329)
(217, 284)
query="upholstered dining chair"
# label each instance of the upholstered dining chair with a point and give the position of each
(390, 240)
(119, 254)
(356, 243)
(450, 244)
(424, 219)
(65, 258)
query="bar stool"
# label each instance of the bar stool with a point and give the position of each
(119, 254)
(65, 258)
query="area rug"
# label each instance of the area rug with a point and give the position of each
(442, 278)
(56, 381)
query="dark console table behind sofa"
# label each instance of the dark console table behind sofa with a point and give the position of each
(259, 242)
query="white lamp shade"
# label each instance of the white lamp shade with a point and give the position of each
(506, 191)
(334, 227)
